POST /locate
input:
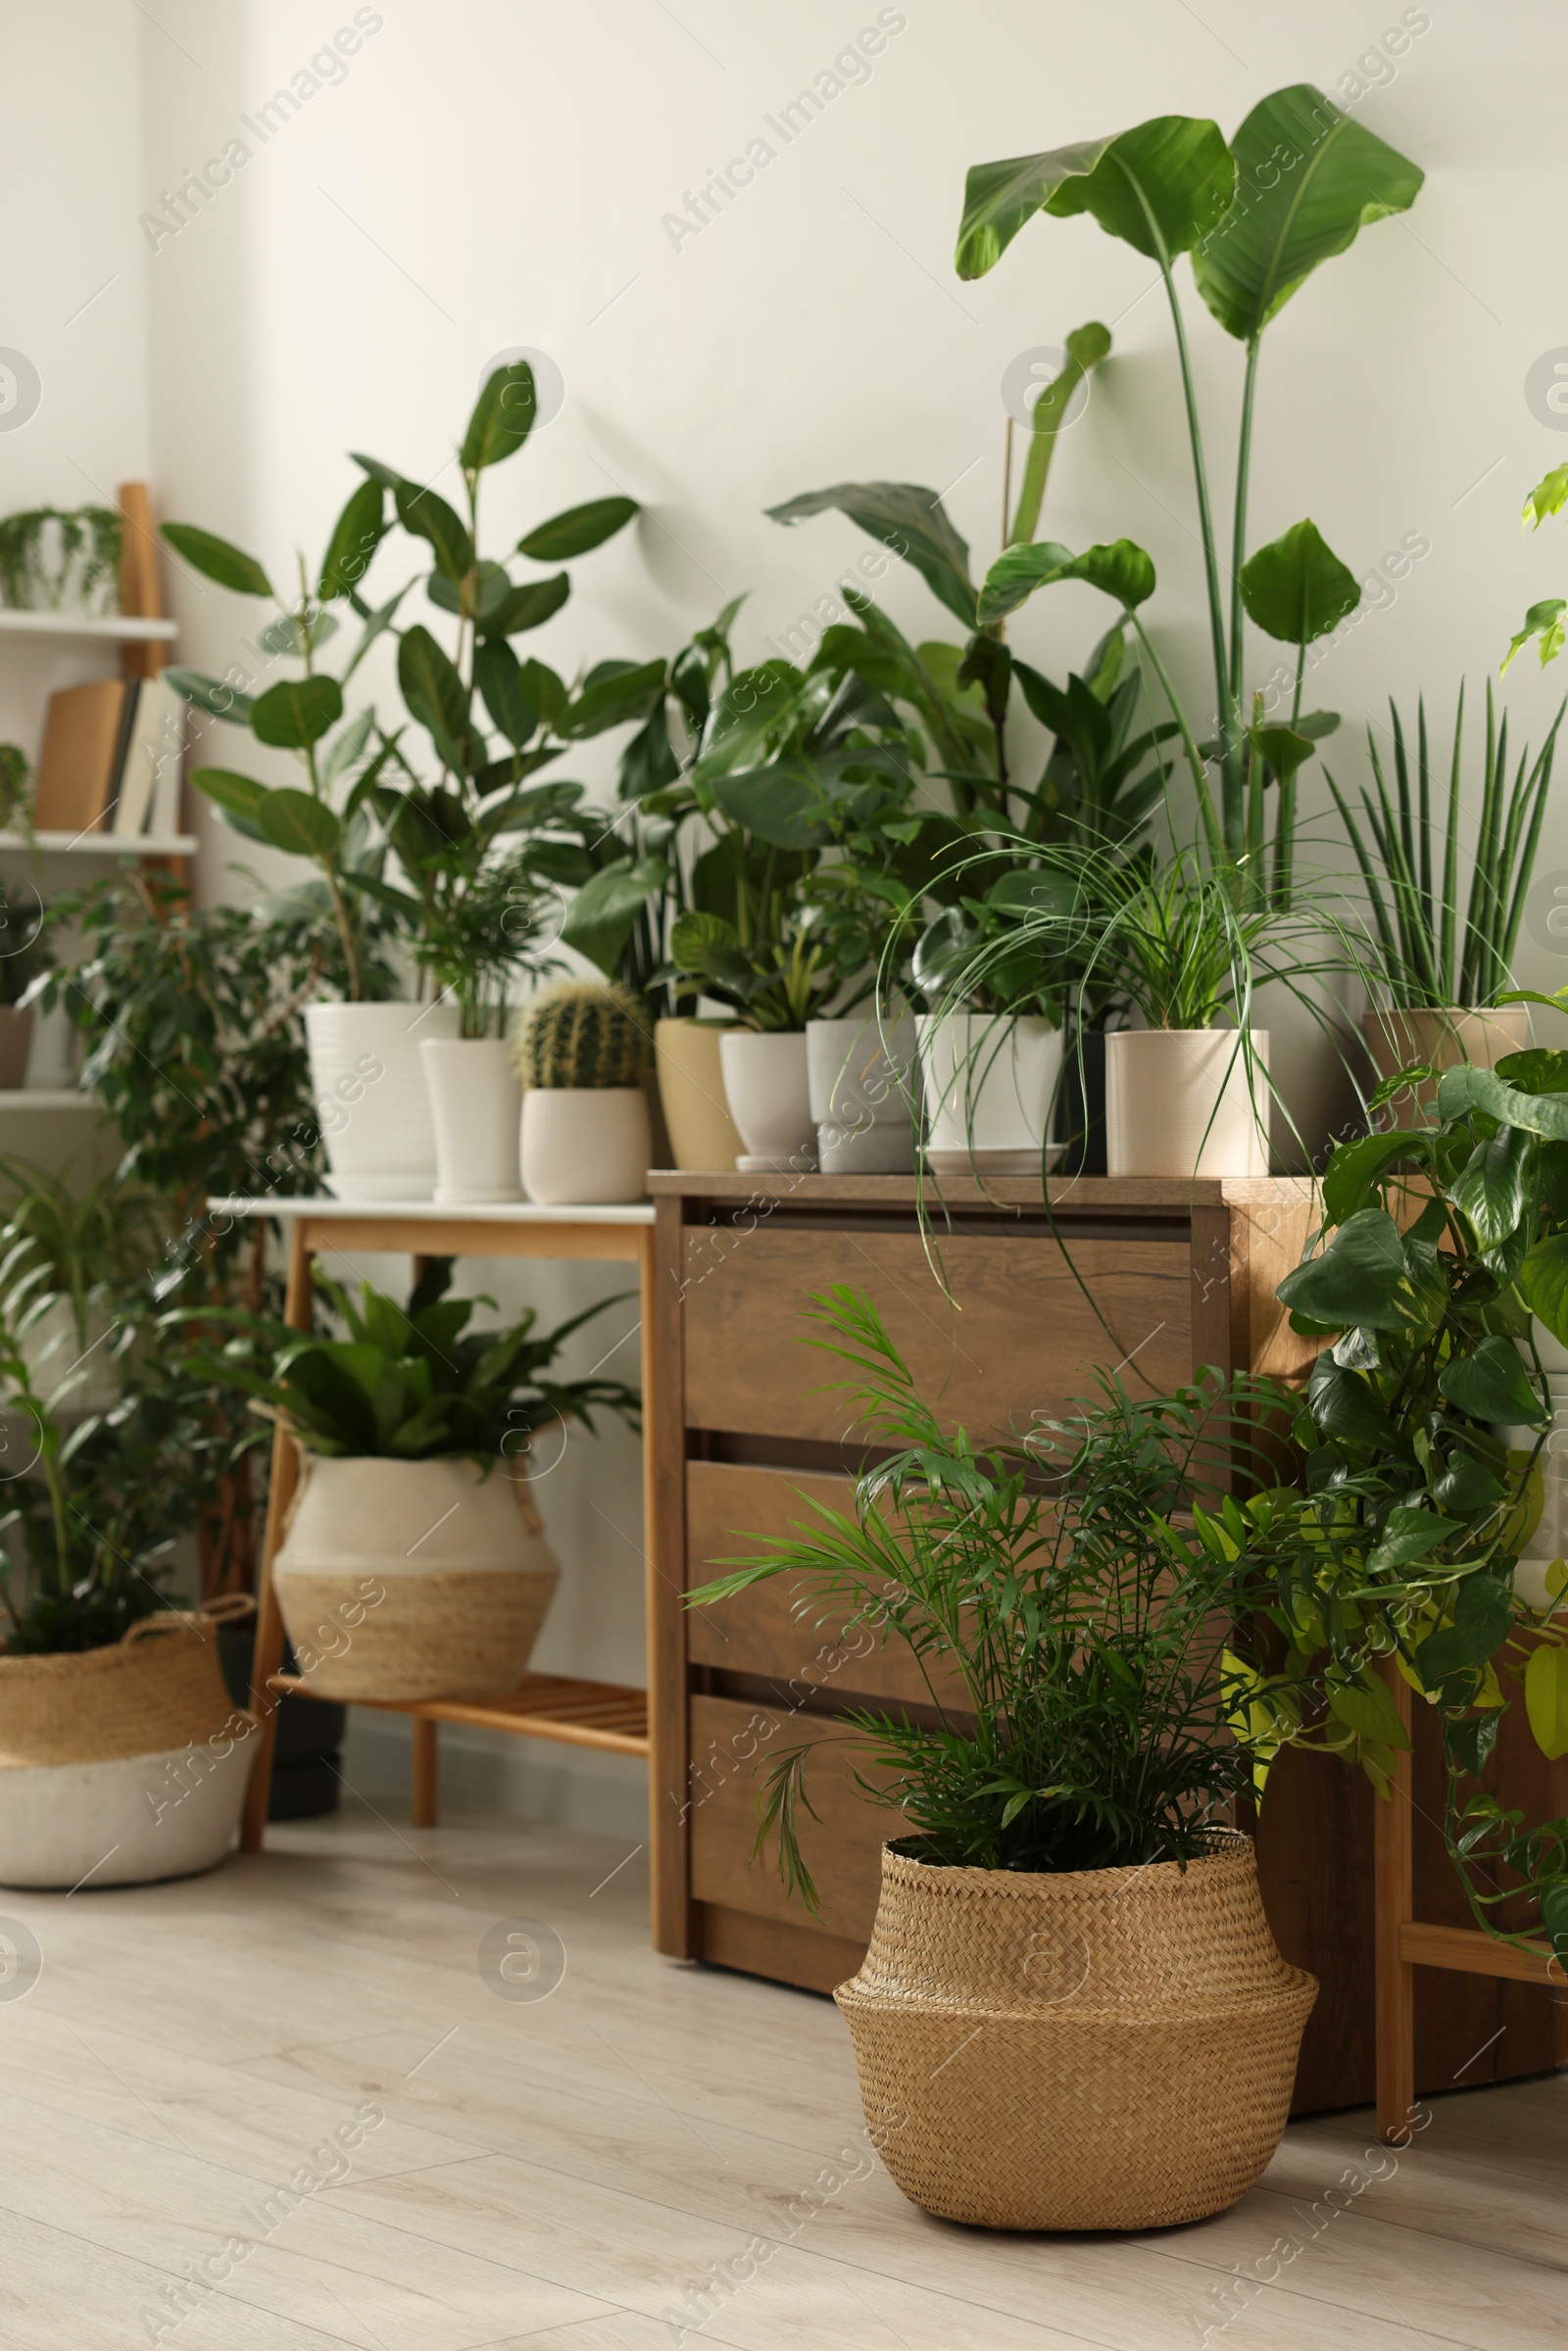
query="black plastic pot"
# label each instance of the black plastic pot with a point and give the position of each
(1081, 1105)
(310, 1735)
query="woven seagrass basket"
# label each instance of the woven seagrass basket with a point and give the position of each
(161, 1687)
(1099, 2049)
(413, 1579)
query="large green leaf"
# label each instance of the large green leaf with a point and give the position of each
(615, 693)
(499, 677)
(217, 560)
(297, 712)
(1357, 1281)
(1281, 748)
(1345, 1405)
(356, 535)
(1296, 588)
(1543, 1283)
(239, 797)
(1366, 1706)
(293, 821)
(1482, 1611)
(781, 805)
(1085, 346)
(578, 530)
(502, 416)
(907, 518)
(1546, 1700)
(1353, 1170)
(1467, 1088)
(1122, 570)
(1496, 1183)
(527, 607)
(1307, 180)
(1491, 1384)
(429, 517)
(602, 914)
(433, 691)
(1160, 187)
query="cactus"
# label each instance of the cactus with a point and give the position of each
(583, 1034)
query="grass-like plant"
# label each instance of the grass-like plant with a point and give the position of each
(1432, 957)
(1070, 1642)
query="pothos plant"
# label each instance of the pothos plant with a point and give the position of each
(1258, 214)
(491, 721)
(1424, 1425)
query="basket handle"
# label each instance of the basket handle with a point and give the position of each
(225, 1609)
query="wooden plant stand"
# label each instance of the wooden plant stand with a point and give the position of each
(548, 1706)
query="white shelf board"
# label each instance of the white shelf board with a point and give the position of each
(634, 1213)
(46, 1098)
(117, 627)
(104, 845)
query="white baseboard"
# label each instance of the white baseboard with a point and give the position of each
(489, 1771)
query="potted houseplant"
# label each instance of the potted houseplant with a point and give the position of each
(481, 721)
(62, 1254)
(1068, 1954)
(773, 980)
(990, 1041)
(121, 1756)
(414, 1520)
(1445, 970)
(1424, 1533)
(580, 1056)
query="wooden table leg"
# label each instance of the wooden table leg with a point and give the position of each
(268, 1617)
(647, 1268)
(1393, 1906)
(424, 1787)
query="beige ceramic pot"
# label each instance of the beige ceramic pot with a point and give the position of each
(703, 1135)
(584, 1145)
(1179, 1103)
(1443, 1040)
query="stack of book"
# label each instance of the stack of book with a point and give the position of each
(111, 759)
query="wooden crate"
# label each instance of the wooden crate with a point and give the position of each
(1155, 1279)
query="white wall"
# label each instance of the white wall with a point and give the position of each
(492, 173)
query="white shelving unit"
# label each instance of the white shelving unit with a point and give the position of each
(47, 1098)
(118, 628)
(103, 845)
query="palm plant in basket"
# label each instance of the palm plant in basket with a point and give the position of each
(1060, 1896)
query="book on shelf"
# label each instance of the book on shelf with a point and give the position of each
(111, 759)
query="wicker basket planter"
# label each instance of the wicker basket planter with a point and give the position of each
(413, 1579)
(121, 1764)
(1101, 2049)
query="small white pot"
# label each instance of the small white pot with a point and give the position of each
(770, 1096)
(585, 1146)
(371, 1099)
(475, 1102)
(1179, 1103)
(989, 1081)
(860, 1078)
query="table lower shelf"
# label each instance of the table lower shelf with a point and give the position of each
(580, 1714)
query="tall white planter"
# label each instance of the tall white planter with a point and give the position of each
(368, 1081)
(768, 1089)
(585, 1146)
(475, 1102)
(859, 1076)
(1179, 1103)
(989, 1080)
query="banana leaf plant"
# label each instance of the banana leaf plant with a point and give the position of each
(490, 719)
(1256, 215)
(1425, 1423)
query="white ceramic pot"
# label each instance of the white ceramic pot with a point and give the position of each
(1179, 1103)
(584, 1145)
(691, 1088)
(859, 1077)
(127, 1822)
(413, 1579)
(368, 1080)
(769, 1096)
(475, 1102)
(989, 1082)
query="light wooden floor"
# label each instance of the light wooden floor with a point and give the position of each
(561, 2172)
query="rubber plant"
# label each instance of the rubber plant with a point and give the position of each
(1424, 1425)
(1258, 214)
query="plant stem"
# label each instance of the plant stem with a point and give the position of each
(1230, 764)
(1244, 464)
(1218, 850)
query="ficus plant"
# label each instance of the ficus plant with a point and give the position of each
(1256, 215)
(1424, 1426)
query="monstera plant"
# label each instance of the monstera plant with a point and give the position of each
(1429, 1528)
(1256, 215)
